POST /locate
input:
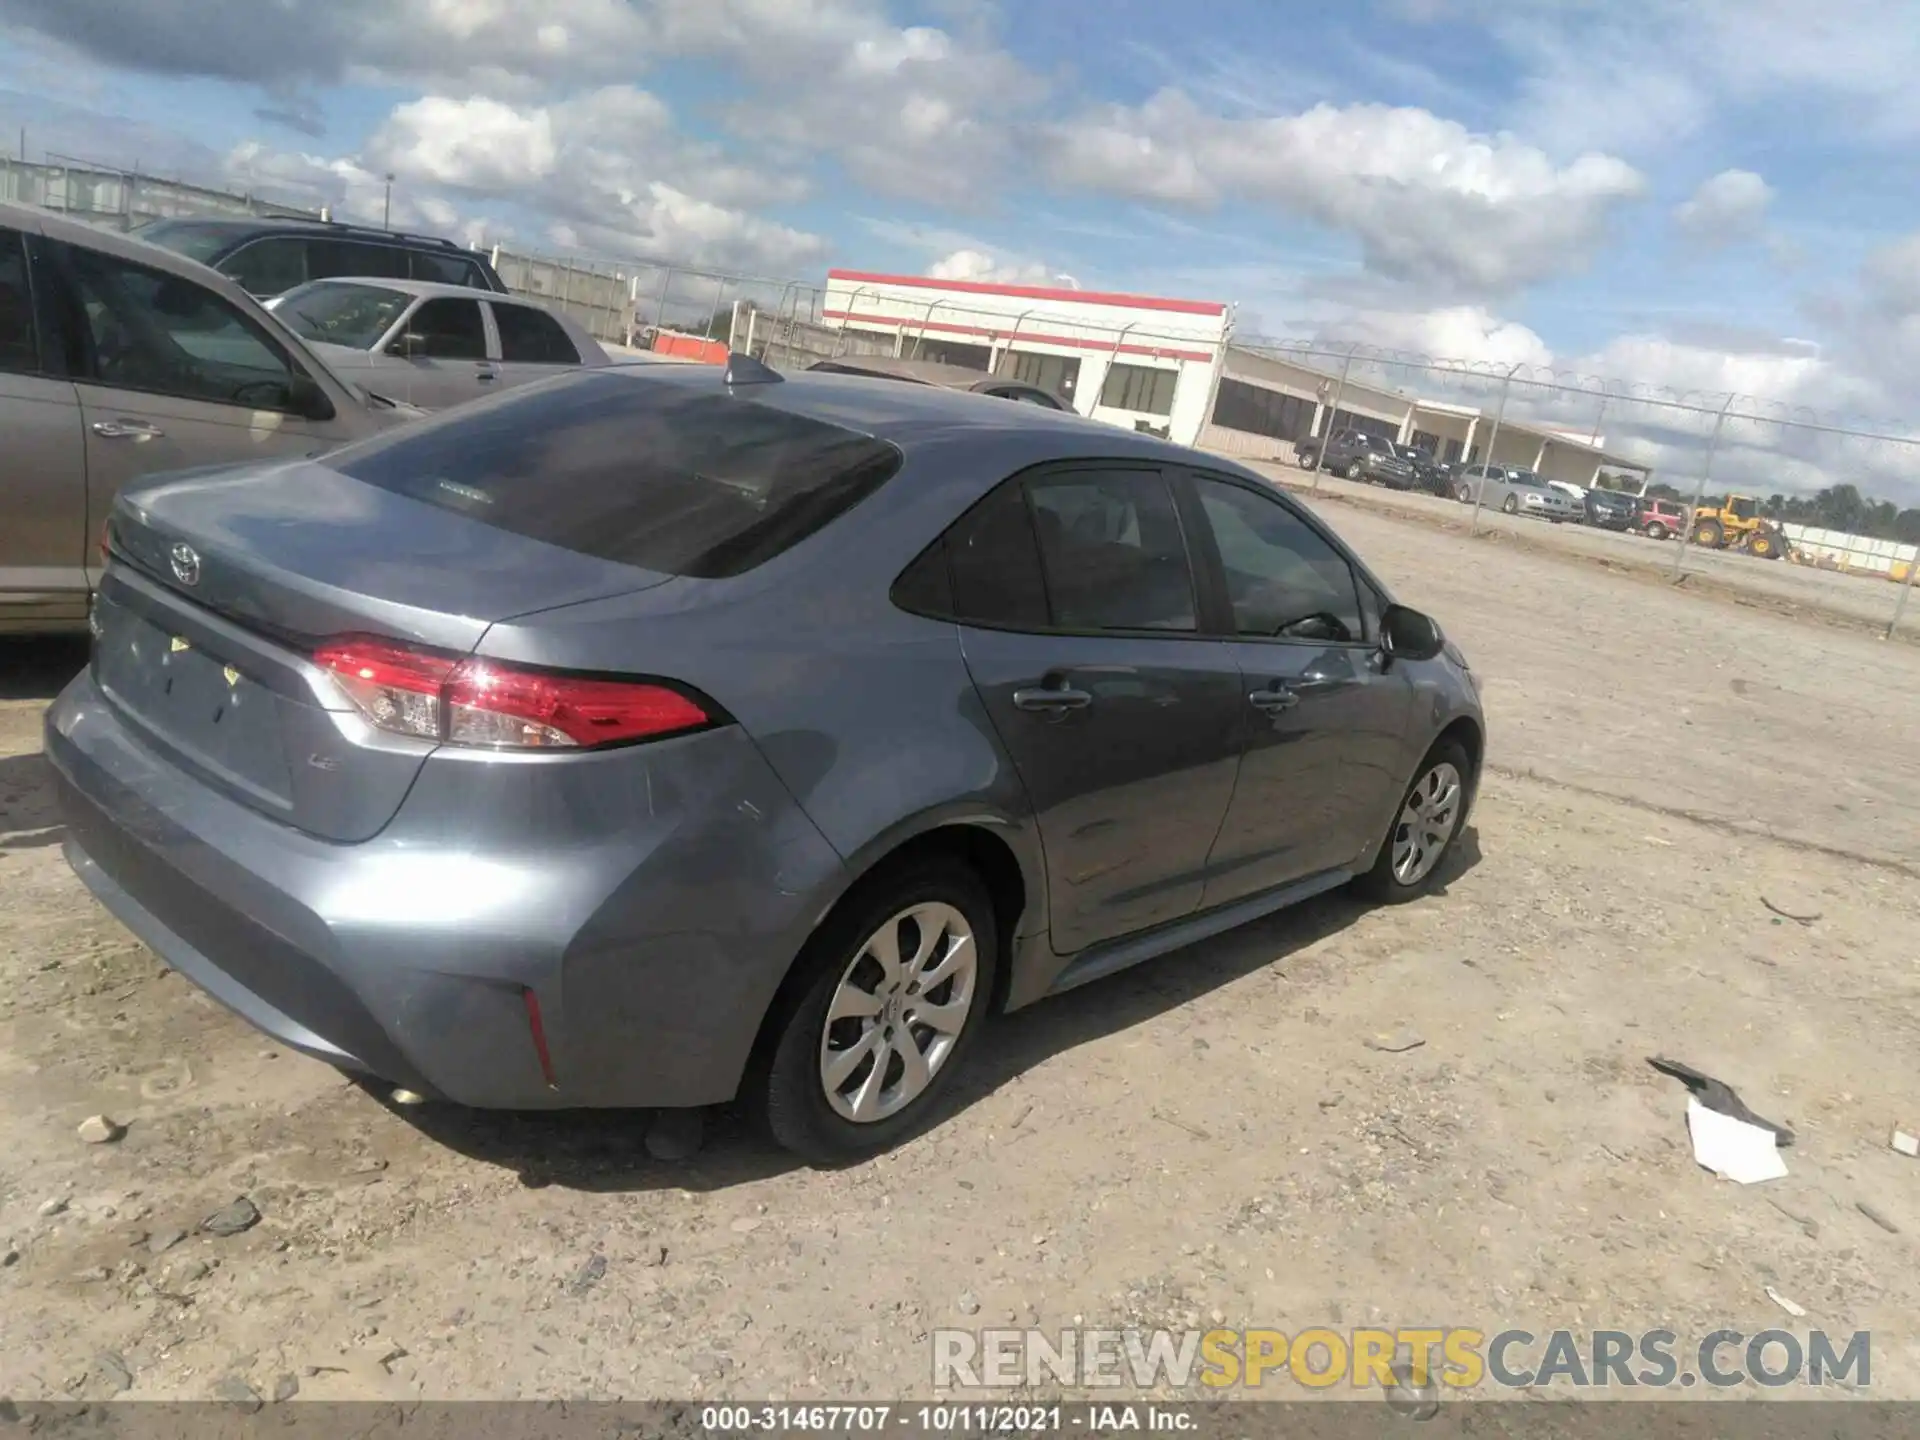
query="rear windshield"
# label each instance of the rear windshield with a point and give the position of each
(632, 470)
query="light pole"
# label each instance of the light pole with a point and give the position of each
(386, 207)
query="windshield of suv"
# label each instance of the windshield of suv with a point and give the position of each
(333, 313)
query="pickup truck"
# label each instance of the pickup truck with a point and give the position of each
(1355, 455)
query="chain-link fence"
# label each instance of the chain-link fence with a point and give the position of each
(123, 198)
(1736, 469)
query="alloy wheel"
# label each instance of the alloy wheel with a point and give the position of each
(897, 1012)
(1426, 823)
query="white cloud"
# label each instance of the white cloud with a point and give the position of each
(1429, 200)
(474, 143)
(1466, 333)
(1726, 209)
(993, 269)
(605, 171)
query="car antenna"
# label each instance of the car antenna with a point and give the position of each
(745, 370)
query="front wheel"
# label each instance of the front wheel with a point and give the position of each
(1656, 531)
(1423, 831)
(1510, 506)
(889, 995)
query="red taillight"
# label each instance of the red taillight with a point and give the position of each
(485, 703)
(539, 1038)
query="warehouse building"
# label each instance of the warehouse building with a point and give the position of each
(1169, 367)
(1141, 361)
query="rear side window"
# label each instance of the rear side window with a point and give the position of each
(268, 267)
(995, 564)
(445, 269)
(631, 470)
(329, 258)
(532, 336)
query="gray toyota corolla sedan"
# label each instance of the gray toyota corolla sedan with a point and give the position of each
(660, 737)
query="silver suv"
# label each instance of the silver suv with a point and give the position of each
(118, 359)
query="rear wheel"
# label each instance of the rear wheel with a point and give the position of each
(890, 994)
(1709, 533)
(1423, 829)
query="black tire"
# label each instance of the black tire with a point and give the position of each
(1709, 535)
(1656, 531)
(1464, 494)
(1380, 885)
(786, 1087)
(1352, 472)
(1510, 506)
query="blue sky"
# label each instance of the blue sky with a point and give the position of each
(1710, 194)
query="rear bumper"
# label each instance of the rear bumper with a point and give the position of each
(651, 899)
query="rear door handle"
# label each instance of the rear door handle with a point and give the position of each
(134, 430)
(486, 373)
(1047, 700)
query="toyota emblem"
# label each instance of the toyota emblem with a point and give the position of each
(186, 564)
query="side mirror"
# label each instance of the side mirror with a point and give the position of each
(410, 345)
(306, 399)
(1406, 634)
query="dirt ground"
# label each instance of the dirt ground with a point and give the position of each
(1206, 1139)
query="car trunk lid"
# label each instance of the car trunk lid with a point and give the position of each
(227, 580)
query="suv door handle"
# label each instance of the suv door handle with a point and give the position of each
(134, 430)
(487, 372)
(1047, 700)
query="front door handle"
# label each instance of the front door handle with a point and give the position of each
(137, 431)
(1273, 701)
(1048, 700)
(486, 373)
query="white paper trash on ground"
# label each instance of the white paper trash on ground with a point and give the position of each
(1733, 1149)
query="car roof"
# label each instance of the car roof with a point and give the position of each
(428, 289)
(293, 224)
(925, 417)
(924, 372)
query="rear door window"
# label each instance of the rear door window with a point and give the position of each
(18, 353)
(636, 471)
(532, 337)
(1112, 551)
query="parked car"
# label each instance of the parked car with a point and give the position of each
(933, 372)
(1513, 491)
(1576, 493)
(1658, 519)
(575, 793)
(268, 257)
(433, 345)
(1612, 509)
(1356, 455)
(118, 359)
(1429, 474)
